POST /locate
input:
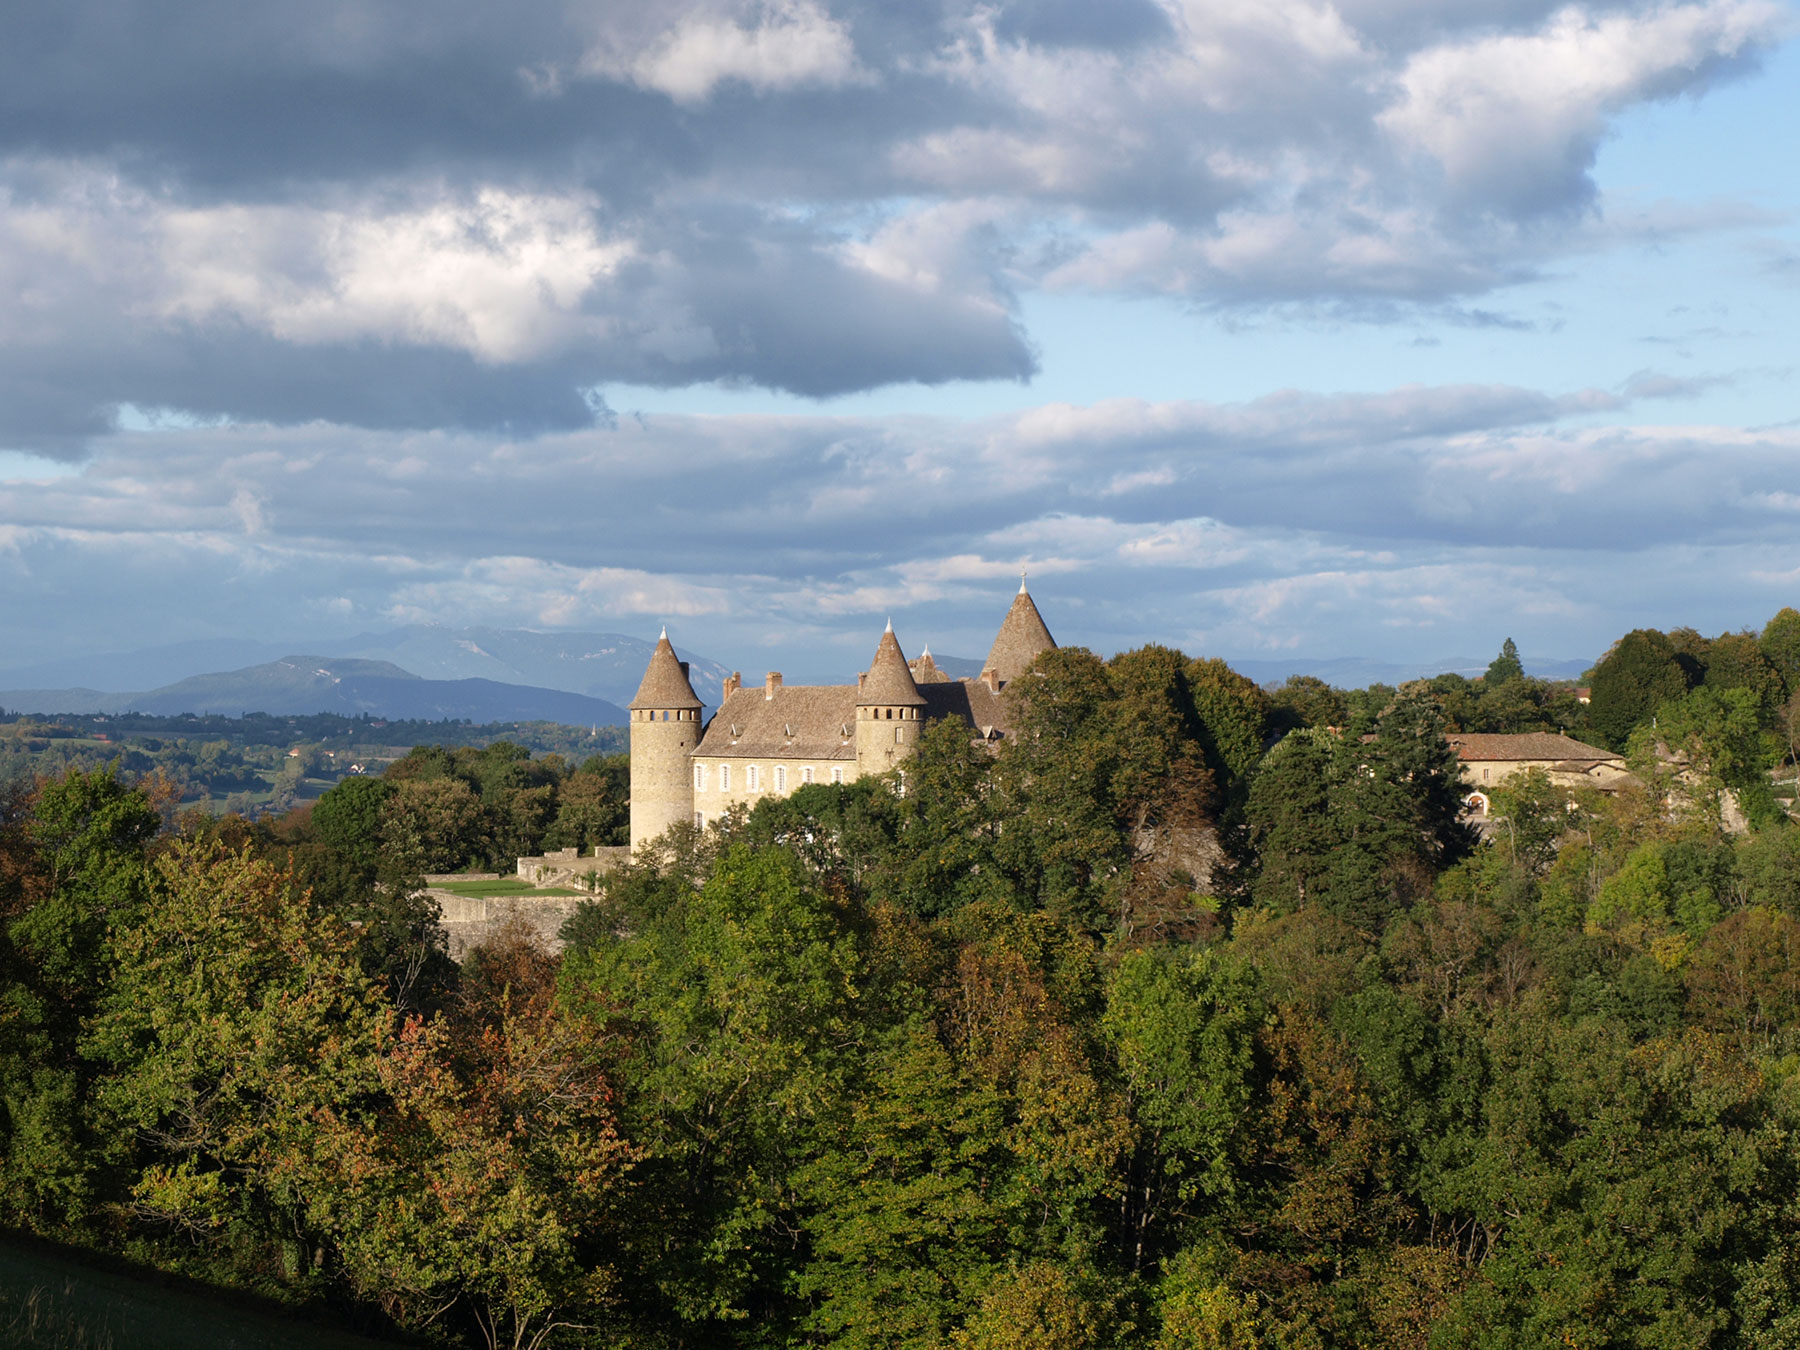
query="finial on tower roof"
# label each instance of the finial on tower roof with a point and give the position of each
(1021, 581)
(663, 636)
(890, 627)
(926, 652)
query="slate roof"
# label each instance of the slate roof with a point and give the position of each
(666, 682)
(1022, 637)
(1542, 745)
(983, 709)
(799, 721)
(889, 683)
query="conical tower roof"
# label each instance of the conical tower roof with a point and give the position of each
(925, 670)
(665, 680)
(1021, 640)
(889, 683)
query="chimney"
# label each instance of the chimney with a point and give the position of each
(684, 670)
(732, 683)
(771, 682)
(991, 678)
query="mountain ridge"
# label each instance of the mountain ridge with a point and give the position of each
(320, 684)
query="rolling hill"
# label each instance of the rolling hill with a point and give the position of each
(348, 686)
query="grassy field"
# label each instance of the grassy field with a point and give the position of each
(505, 886)
(51, 1301)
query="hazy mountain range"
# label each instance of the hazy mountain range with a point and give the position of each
(231, 674)
(484, 674)
(324, 684)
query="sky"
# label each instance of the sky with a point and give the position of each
(1262, 328)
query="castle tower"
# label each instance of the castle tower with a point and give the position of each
(890, 711)
(1021, 640)
(665, 728)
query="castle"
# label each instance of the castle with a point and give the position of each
(768, 741)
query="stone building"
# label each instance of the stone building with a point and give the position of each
(769, 740)
(1490, 759)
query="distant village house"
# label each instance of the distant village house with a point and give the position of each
(1488, 760)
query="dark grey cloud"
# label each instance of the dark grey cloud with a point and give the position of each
(452, 214)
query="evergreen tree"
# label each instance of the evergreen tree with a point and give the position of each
(1641, 673)
(1505, 666)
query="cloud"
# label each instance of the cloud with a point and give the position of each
(396, 216)
(1295, 522)
(493, 310)
(1512, 120)
(786, 44)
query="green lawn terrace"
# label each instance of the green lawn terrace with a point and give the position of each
(485, 885)
(474, 907)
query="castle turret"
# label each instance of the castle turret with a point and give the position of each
(890, 711)
(665, 728)
(1021, 640)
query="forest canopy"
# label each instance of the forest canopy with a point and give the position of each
(1197, 1015)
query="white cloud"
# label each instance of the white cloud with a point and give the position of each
(771, 46)
(501, 275)
(1513, 119)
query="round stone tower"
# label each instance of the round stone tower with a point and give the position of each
(890, 711)
(665, 728)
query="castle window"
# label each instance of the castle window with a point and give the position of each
(724, 778)
(752, 778)
(699, 778)
(806, 774)
(699, 821)
(837, 774)
(780, 779)
(899, 735)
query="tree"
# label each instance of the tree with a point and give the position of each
(935, 848)
(1534, 815)
(590, 812)
(1736, 661)
(1307, 701)
(492, 1181)
(236, 1020)
(434, 825)
(1642, 672)
(1183, 1032)
(1718, 732)
(1104, 785)
(1780, 646)
(905, 1229)
(348, 819)
(1743, 977)
(1289, 819)
(1233, 713)
(1358, 825)
(1616, 1186)
(74, 872)
(740, 1005)
(1040, 1306)
(1505, 666)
